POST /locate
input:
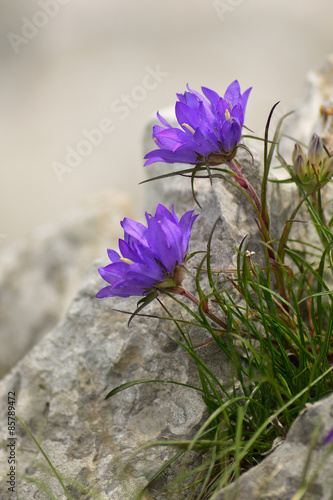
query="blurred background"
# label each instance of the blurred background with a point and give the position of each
(79, 80)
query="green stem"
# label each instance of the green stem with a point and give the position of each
(203, 305)
(317, 202)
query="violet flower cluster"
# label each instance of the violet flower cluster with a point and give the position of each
(152, 257)
(210, 128)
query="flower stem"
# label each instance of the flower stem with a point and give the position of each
(317, 203)
(252, 195)
(245, 184)
(263, 221)
(202, 304)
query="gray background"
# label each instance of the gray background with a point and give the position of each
(79, 64)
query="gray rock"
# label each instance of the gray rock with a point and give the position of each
(313, 113)
(60, 387)
(300, 468)
(40, 274)
(61, 383)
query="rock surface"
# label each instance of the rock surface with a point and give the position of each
(60, 386)
(61, 383)
(314, 110)
(40, 274)
(300, 468)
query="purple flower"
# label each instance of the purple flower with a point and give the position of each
(153, 257)
(210, 128)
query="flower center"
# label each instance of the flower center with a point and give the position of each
(227, 114)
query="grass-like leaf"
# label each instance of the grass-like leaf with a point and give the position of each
(122, 387)
(52, 468)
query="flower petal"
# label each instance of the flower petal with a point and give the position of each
(233, 93)
(230, 134)
(186, 115)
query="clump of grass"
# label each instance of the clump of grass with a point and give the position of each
(274, 323)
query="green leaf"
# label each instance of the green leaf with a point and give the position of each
(53, 469)
(122, 387)
(143, 303)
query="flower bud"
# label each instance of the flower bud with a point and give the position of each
(314, 169)
(299, 162)
(297, 151)
(316, 152)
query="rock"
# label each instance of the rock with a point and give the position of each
(40, 274)
(314, 112)
(60, 386)
(61, 383)
(285, 473)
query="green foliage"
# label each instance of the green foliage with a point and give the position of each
(274, 324)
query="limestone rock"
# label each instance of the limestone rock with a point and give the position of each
(314, 111)
(40, 274)
(60, 386)
(61, 383)
(285, 473)
(314, 114)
